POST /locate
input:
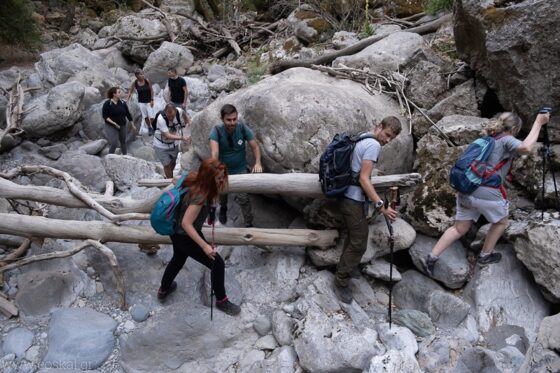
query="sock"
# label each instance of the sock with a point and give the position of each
(483, 254)
(222, 300)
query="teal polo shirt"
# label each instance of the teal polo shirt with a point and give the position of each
(232, 148)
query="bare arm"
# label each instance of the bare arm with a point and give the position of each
(527, 145)
(366, 171)
(257, 152)
(172, 136)
(187, 223)
(214, 149)
(185, 89)
(130, 90)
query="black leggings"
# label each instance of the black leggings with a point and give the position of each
(184, 247)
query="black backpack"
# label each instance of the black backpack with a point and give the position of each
(162, 114)
(335, 165)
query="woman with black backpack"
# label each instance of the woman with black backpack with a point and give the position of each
(204, 188)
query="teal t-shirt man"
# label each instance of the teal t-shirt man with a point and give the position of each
(227, 143)
(232, 146)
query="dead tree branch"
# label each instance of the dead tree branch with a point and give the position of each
(66, 253)
(355, 48)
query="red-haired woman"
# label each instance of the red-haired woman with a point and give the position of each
(204, 189)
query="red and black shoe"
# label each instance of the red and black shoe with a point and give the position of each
(163, 294)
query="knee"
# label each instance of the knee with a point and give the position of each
(218, 263)
(502, 223)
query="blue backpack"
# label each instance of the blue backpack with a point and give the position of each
(471, 170)
(164, 217)
(335, 165)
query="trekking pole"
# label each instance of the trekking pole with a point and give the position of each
(546, 156)
(212, 220)
(392, 202)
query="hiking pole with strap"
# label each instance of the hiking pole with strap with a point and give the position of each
(546, 156)
(212, 221)
(392, 202)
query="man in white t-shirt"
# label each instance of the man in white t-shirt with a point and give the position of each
(354, 204)
(169, 130)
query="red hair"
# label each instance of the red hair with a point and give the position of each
(204, 183)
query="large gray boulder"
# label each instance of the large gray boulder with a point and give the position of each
(393, 361)
(79, 338)
(17, 341)
(543, 354)
(139, 26)
(166, 56)
(57, 110)
(199, 93)
(295, 114)
(495, 301)
(93, 123)
(40, 292)
(479, 359)
(75, 62)
(452, 268)
(512, 49)
(414, 291)
(113, 58)
(461, 100)
(388, 54)
(88, 169)
(536, 245)
(125, 171)
(431, 208)
(214, 345)
(461, 129)
(225, 78)
(441, 353)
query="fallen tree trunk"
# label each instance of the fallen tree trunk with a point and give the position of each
(64, 198)
(295, 184)
(354, 48)
(37, 226)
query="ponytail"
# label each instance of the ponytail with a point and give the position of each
(505, 122)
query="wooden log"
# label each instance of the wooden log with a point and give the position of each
(64, 198)
(7, 307)
(354, 48)
(296, 184)
(38, 226)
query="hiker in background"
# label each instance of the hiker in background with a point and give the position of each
(115, 114)
(489, 201)
(145, 92)
(169, 131)
(354, 204)
(177, 89)
(203, 189)
(227, 143)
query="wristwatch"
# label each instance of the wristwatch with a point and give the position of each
(379, 204)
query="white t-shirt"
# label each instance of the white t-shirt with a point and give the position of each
(367, 149)
(159, 141)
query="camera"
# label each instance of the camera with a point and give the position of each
(545, 110)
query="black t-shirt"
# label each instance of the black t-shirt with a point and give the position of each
(186, 201)
(176, 89)
(117, 112)
(144, 92)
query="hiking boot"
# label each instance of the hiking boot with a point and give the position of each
(490, 258)
(343, 293)
(228, 308)
(429, 263)
(223, 215)
(162, 295)
(356, 273)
